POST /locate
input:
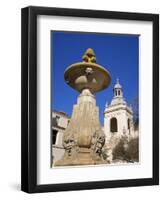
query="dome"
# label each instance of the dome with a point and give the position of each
(117, 85)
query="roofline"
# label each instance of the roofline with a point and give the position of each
(61, 113)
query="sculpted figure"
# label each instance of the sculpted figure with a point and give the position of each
(98, 141)
(99, 144)
(88, 71)
(69, 145)
(107, 154)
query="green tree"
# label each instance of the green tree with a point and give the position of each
(127, 151)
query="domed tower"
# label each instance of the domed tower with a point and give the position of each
(118, 116)
(117, 94)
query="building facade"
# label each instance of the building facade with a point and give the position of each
(118, 116)
(60, 121)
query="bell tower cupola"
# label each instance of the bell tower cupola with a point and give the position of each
(117, 94)
(117, 90)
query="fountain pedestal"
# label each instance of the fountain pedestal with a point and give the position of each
(84, 138)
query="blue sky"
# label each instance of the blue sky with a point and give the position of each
(117, 53)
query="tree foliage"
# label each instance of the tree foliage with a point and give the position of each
(135, 108)
(127, 151)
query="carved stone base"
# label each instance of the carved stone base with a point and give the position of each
(83, 157)
(83, 139)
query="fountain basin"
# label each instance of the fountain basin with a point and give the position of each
(85, 75)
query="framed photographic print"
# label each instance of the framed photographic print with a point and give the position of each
(90, 99)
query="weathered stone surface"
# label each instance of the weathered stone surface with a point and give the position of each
(84, 138)
(87, 74)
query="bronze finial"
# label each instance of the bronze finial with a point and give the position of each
(89, 56)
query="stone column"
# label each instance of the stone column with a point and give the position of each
(84, 138)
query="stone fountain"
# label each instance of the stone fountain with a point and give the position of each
(84, 138)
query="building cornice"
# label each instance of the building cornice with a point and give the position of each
(116, 108)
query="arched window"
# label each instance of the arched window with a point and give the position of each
(128, 123)
(119, 92)
(113, 125)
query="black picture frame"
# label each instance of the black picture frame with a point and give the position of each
(29, 98)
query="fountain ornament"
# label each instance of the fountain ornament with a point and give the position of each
(84, 138)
